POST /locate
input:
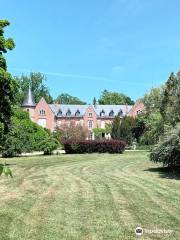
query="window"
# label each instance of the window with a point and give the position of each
(90, 124)
(90, 137)
(111, 114)
(102, 124)
(42, 112)
(102, 113)
(90, 114)
(68, 112)
(77, 113)
(59, 112)
(120, 113)
(42, 122)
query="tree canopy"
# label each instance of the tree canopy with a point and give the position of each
(108, 97)
(37, 82)
(8, 85)
(66, 98)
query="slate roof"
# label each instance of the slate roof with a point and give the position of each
(60, 110)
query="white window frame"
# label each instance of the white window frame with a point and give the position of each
(90, 136)
(90, 124)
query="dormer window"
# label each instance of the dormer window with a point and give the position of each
(77, 113)
(68, 112)
(120, 113)
(59, 112)
(102, 113)
(42, 112)
(111, 114)
(90, 114)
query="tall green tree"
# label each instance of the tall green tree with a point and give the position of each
(170, 109)
(65, 98)
(108, 97)
(38, 86)
(8, 86)
(123, 128)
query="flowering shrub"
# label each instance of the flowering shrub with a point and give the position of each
(100, 146)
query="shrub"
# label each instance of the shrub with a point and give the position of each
(48, 146)
(71, 131)
(100, 146)
(25, 136)
(167, 151)
(12, 147)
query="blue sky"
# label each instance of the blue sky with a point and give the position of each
(84, 47)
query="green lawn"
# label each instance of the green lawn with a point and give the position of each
(89, 197)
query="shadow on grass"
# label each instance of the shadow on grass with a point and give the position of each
(166, 172)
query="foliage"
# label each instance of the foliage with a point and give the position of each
(154, 128)
(100, 132)
(71, 131)
(65, 98)
(24, 135)
(39, 89)
(167, 151)
(108, 97)
(100, 146)
(4, 169)
(153, 99)
(94, 101)
(123, 128)
(1, 134)
(170, 109)
(8, 85)
(48, 145)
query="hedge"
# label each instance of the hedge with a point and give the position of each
(99, 146)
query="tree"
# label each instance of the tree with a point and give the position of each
(94, 101)
(123, 128)
(167, 151)
(115, 98)
(152, 100)
(8, 85)
(8, 88)
(26, 136)
(39, 89)
(170, 109)
(71, 131)
(65, 98)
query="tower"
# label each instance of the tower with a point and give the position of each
(29, 103)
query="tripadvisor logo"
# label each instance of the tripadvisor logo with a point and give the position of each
(139, 231)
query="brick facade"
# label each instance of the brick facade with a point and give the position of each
(51, 116)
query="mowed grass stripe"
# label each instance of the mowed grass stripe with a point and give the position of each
(95, 196)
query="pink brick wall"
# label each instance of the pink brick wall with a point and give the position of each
(136, 109)
(49, 115)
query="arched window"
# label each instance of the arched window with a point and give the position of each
(59, 112)
(42, 112)
(120, 113)
(111, 114)
(102, 113)
(68, 112)
(77, 113)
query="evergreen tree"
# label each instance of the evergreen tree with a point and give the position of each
(94, 101)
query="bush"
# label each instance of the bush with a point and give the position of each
(71, 131)
(48, 146)
(26, 136)
(100, 146)
(12, 147)
(167, 151)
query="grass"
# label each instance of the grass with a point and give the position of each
(88, 197)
